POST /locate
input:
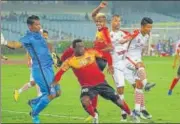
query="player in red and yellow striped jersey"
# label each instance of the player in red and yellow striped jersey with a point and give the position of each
(102, 40)
(91, 79)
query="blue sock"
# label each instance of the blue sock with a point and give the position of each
(43, 102)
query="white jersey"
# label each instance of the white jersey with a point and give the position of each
(119, 50)
(136, 46)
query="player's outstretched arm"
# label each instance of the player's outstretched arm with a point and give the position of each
(102, 5)
(12, 44)
(129, 37)
(64, 67)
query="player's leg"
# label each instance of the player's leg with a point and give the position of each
(141, 73)
(107, 92)
(48, 94)
(24, 87)
(140, 109)
(101, 63)
(118, 77)
(87, 95)
(174, 82)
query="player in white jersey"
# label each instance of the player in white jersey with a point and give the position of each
(118, 56)
(135, 64)
(121, 72)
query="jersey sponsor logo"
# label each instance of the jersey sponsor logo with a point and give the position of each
(85, 61)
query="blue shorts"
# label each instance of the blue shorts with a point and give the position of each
(49, 77)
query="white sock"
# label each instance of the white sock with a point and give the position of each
(29, 84)
(122, 98)
(20, 91)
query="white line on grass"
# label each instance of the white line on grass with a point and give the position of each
(52, 115)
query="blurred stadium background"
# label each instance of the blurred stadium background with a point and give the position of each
(66, 20)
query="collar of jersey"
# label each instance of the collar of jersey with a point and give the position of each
(102, 28)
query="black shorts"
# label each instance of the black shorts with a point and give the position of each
(178, 72)
(104, 90)
(101, 63)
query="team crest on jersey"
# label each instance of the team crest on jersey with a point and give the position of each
(88, 59)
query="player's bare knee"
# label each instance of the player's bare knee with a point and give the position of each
(120, 90)
(85, 100)
(139, 84)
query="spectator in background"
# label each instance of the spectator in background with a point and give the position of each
(159, 47)
(87, 17)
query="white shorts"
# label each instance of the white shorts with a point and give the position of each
(31, 76)
(130, 66)
(121, 73)
(131, 62)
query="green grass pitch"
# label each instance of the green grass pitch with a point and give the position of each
(67, 107)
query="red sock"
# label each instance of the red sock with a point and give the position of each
(90, 110)
(94, 102)
(174, 82)
(126, 108)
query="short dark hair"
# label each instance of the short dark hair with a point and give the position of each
(76, 41)
(45, 31)
(116, 15)
(146, 20)
(31, 19)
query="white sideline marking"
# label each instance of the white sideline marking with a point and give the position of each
(52, 115)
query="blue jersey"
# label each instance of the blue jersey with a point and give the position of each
(37, 47)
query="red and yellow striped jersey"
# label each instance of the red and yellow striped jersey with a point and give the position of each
(85, 68)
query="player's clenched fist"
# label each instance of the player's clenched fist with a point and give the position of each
(103, 4)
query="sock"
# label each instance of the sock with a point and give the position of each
(138, 99)
(20, 91)
(126, 108)
(122, 98)
(143, 103)
(43, 102)
(25, 87)
(94, 102)
(90, 110)
(29, 84)
(173, 84)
